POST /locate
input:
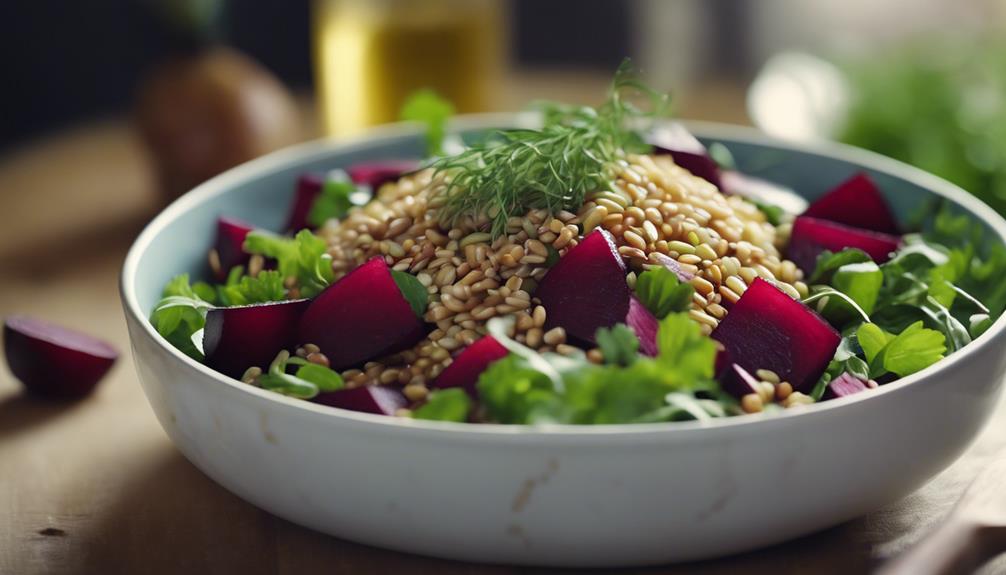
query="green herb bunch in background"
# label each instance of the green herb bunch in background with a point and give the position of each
(940, 106)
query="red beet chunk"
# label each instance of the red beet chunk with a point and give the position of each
(378, 399)
(236, 338)
(811, 236)
(738, 381)
(856, 202)
(644, 324)
(464, 371)
(308, 188)
(845, 385)
(54, 361)
(686, 151)
(586, 288)
(376, 174)
(231, 235)
(361, 317)
(767, 329)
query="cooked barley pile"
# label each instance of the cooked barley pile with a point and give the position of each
(657, 210)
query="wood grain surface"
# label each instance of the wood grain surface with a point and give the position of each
(96, 487)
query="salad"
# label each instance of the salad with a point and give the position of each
(605, 268)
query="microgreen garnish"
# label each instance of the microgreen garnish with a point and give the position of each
(304, 257)
(309, 380)
(552, 168)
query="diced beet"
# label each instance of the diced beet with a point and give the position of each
(361, 317)
(231, 235)
(762, 191)
(586, 288)
(645, 324)
(378, 399)
(464, 371)
(686, 151)
(376, 174)
(673, 265)
(236, 338)
(54, 361)
(738, 381)
(308, 187)
(723, 360)
(856, 202)
(767, 329)
(811, 236)
(845, 385)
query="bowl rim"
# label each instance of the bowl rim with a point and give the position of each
(322, 147)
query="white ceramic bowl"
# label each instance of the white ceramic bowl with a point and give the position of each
(561, 496)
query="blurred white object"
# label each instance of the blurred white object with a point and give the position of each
(798, 97)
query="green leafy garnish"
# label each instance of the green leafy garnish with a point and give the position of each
(527, 387)
(828, 262)
(552, 168)
(427, 107)
(445, 405)
(180, 315)
(619, 344)
(304, 257)
(661, 292)
(773, 213)
(413, 290)
(310, 378)
(914, 349)
(267, 286)
(333, 202)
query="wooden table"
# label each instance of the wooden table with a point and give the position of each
(96, 487)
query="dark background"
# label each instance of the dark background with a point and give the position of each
(70, 60)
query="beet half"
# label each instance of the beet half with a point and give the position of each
(236, 338)
(377, 399)
(361, 317)
(586, 288)
(767, 329)
(54, 361)
(812, 236)
(856, 202)
(464, 371)
(231, 234)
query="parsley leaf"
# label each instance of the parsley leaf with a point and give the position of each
(619, 344)
(526, 387)
(445, 405)
(661, 292)
(304, 257)
(413, 290)
(910, 351)
(828, 262)
(245, 290)
(429, 108)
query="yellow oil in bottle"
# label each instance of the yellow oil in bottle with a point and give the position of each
(370, 55)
